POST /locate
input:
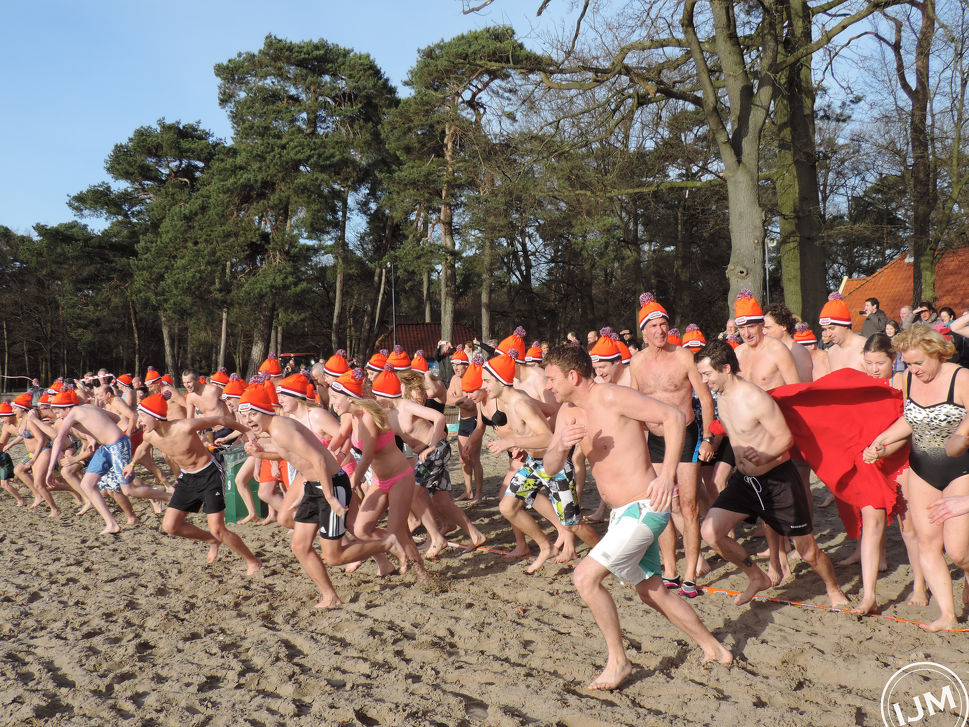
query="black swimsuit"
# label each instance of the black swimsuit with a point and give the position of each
(931, 426)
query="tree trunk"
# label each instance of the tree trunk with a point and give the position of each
(427, 294)
(167, 341)
(380, 303)
(341, 258)
(923, 195)
(222, 338)
(746, 266)
(448, 273)
(798, 197)
(486, 288)
(134, 335)
(262, 327)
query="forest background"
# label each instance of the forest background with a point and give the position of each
(686, 147)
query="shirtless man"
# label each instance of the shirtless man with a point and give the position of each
(606, 422)
(765, 361)
(765, 483)
(847, 348)
(471, 466)
(208, 402)
(669, 374)
(779, 323)
(107, 399)
(321, 497)
(607, 360)
(520, 425)
(106, 468)
(201, 482)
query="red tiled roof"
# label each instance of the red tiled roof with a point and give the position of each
(414, 336)
(892, 285)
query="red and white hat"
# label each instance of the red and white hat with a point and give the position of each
(351, 383)
(835, 312)
(502, 366)
(24, 401)
(336, 365)
(459, 356)
(256, 397)
(377, 361)
(471, 381)
(294, 385)
(693, 337)
(65, 398)
(386, 383)
(650, 309)
(6, 410)
(124, 381)
(271, 366)
(156, 405)
(515, 341)
(804, 335)
(235, 387)
(605, 348)
(419, 363)
(746, 309)
(398, 359)
(151, 376)
(220, 378)
(673, 336)
(534, 353)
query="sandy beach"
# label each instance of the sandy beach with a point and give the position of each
(138, 629)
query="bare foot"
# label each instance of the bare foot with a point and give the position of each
(84, 508)
(35, 503)
(475, 501)
(465, 496)
(828, 501)
(941, 624)
(921, 598)
(267, 520)
(21, 503)
(866, 606)
(520, 551)
(254, 565)
(248, 519)
(851, 559)
(721, 656)
(611, 677)
(55, 512)
(566, 556)
(110, 529)
(435, 549)
(477, 538)
(702, 567)
(329, 601)
(350, 567)
(758, 582)
(133, 520)
(838, 598)
(776, 578)
(156, 506)
(544, 551)
(213, 552)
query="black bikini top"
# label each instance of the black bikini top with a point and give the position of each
(498, 419)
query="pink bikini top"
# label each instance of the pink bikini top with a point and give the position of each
(382, 441)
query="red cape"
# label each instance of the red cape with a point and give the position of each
(832, 420)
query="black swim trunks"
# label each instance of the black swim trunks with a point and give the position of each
(467, 426)
(657, 444)
(314, 508)
(777, 496)
(203, 489)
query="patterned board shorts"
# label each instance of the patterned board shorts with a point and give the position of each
(432, 473)
(559, 488)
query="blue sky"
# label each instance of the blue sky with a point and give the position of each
(80, 77)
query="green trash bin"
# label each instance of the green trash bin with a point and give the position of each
(235, 507)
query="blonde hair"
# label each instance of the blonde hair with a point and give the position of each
(413, 383)
(925, 338)
(379, 415)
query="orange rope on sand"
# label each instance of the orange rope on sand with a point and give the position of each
(726, 592)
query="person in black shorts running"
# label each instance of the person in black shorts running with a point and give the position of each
(765, 483)
(201, 484)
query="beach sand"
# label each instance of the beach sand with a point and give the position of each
(137, 628)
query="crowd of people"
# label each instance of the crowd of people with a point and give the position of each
(684, 438)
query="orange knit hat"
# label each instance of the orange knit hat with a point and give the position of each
(471, 381)
(746, 309)
(386, 383)
(605, 348)
(459, 356)
(835, 312)
(377, 361)
(515, 341)
(5, 409)
(419, 363)
(124, 381)
(24, 401)
(624, 351)
(270, 388)
(65, 398)
(650, 309)
(336, 365)
(271, 366)
(156, 405)
(399, 359)
(673, 336)
(734, 341)
(804, 335)
(534, 353)
(235, 387)
(294, 385)
(350, 383)
(693, 337)
(151, 376)
(220, 378)
(256, 397)
(502, 366)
